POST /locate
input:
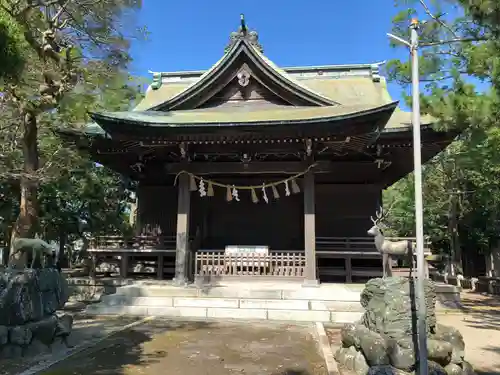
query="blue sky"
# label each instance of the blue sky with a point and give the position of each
(192, 34)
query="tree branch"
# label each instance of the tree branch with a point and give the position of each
(437, 19)
(452, 41)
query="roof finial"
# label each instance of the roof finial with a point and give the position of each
(243, 26)
(245, 34)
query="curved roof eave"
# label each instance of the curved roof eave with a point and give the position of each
(195, 119)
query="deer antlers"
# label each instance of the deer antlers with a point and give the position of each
(379, 216)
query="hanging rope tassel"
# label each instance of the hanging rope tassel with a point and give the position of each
(201, 188)
(264, 194)
(229, 196)
(192, 183)
(235, 194)
(255, 199)
(276, 195)
(295, 187)
(210, 190)
(287, 189)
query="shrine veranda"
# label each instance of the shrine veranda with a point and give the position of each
(251, 171)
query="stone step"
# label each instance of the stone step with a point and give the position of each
(232, 303)
(299, 293)
(337, 317)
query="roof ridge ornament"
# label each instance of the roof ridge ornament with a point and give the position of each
(243, 33)
(157, 80)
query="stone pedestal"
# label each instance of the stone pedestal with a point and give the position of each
(29, 299)
(384, 341)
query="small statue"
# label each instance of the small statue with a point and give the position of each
(387, 248)
(39, 250)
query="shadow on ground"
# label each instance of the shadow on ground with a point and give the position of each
(483, 311)
(488, 372)
(192, 348)
(85, 330)
(120, 351)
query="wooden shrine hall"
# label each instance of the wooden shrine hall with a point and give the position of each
(249, 170)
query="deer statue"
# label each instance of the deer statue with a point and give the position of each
(38, 249)
(387, 248)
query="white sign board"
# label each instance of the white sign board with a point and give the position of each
(238, 249)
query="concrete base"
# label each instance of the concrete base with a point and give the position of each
(282, 301)
(310, 283)
(490, 285)
(332, 303)
(448, 296)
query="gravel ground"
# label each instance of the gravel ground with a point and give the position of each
(196, 348)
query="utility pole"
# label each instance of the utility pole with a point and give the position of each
(419, 216)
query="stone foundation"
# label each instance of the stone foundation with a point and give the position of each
(86, 289)
(33, 338)
(384, 340)
(29, 299)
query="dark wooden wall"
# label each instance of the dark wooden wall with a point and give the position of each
(157, 207)
(277, 224)
(345, 210)
(341, 211)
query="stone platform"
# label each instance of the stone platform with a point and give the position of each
(336, 303)
(280, 301)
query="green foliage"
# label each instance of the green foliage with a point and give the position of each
(12, 45)
(460, 71)
(75, 196)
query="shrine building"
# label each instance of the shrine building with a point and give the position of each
(250, 170)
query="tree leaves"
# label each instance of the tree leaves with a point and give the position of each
(12, 45)
(461, 197)
(74, 194)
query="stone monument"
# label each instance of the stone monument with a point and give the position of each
(29, 300)
(384, 340)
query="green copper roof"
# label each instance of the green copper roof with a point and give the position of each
(350, 91)
(399, 120)
(211, 117)
(202, 88)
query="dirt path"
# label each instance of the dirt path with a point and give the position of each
(482, 339)
(193, 348)
(480, 326)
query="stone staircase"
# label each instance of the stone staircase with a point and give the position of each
(332, 303)
(280, 301)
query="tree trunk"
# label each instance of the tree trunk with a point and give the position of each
(26, 222)
(493, 261)
(62, 257)
(455, 246)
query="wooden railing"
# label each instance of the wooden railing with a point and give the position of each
(131, 244)
(351, 248)
(117, 243)
(217, 263)
(356, 244)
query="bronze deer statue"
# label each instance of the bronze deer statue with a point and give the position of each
(39, 250)
(388, 248)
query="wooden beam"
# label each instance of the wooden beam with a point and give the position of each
(310, 230)
(285, 167)
(182, 237)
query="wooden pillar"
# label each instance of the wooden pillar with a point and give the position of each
(182, 236)
(310, 230)
(160, 265)
(124, 266)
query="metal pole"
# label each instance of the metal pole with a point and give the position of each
(417, 160)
